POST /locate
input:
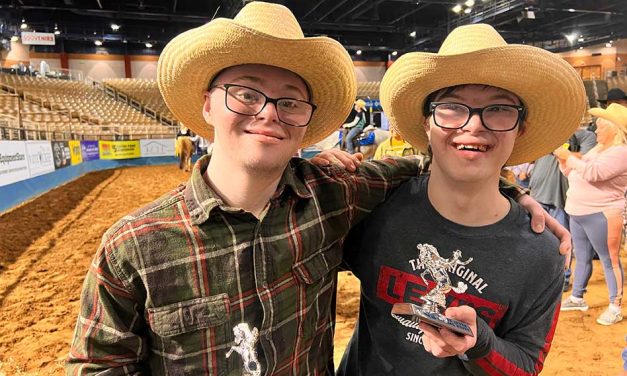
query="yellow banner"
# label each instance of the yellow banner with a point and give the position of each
(75, 151)
(119, 149)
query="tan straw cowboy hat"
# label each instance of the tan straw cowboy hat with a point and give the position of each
(615, 113)
(261, 33)
(549, 87)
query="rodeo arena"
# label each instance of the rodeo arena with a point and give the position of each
(348, 187)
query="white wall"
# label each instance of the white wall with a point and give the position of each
(144, 69)
(99, 70)
(53, 63)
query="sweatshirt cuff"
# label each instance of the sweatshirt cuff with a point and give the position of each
(574, 162)
(484, 341)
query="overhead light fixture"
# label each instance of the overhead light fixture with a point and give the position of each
(394, 53)
(94, 33)
(413, 34)
(115, 27)
(358, 52)
(580, 48)
(470, 3)
(24, 25)
(571, 10)
(571, 37)
(580, 39)
(608, 45)
(98, 42)
(457, 8)
(124, 41)
(15, 38)
(149, 45)
(467, 10)
(57, 32)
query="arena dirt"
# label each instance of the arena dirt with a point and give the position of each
(46, 246)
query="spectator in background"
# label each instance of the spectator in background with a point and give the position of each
(615, 95)
(596, 204)
(522, 173)
(394, 146)
(356, 126)
(44, 68)
(548, 185)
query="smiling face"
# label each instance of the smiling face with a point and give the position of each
(261, 142)
(472, 153)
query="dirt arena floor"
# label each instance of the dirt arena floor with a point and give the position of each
(47, 244)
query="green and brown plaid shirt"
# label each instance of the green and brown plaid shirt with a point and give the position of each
(170, 282)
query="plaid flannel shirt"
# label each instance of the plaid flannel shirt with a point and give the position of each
(170, 282)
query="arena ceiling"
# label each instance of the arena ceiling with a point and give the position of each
(376, 27)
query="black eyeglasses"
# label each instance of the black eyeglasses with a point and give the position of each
(495, 117)
(244, 100)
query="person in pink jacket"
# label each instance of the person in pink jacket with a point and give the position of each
(595, 202)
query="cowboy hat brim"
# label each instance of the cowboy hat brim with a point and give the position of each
(549, 87)
(192, 59)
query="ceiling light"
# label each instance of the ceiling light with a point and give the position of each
(98, 43)
(394, 53)
(608, 45)
(124, 41)
(571, 10)
(358, 52)
(470, 3)
(580, 39)
(57, 32)
(94, 33)
(149, 45)
(15, 38)
(457, 8)
(413, 34)
(571, 37)
(467, 10)
(581, 48)
(24, 25)
(115, 27)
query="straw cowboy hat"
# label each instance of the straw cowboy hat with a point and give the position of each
(361, 103)
(261, 33)
(615, 113)
(549, 87)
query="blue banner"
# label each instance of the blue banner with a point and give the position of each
(89, 150)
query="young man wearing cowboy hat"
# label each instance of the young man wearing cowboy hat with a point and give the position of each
(477, 106)
(234, 273)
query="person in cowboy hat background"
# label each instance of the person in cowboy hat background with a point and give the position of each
(615, 95)
(250, 245)
(595, 202)
(355, 126)
(478, 104)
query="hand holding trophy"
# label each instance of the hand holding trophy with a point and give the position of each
(434, 306)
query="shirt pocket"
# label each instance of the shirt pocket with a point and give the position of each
(316, 276)
(183, 331)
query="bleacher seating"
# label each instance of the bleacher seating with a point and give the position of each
(143, 90)
(73, 107)
(617, 81)
(368, 89)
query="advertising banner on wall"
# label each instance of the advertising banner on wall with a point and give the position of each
(13, 162)
(40, 158)
(157, 148)
(75, 152)
(46, 39)
(61, 154)
(89, 150)
(119, 149)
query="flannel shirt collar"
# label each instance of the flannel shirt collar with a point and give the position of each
(201, 199)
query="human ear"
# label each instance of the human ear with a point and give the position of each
(206, 107)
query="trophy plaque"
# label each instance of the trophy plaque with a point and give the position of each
(432, 310)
